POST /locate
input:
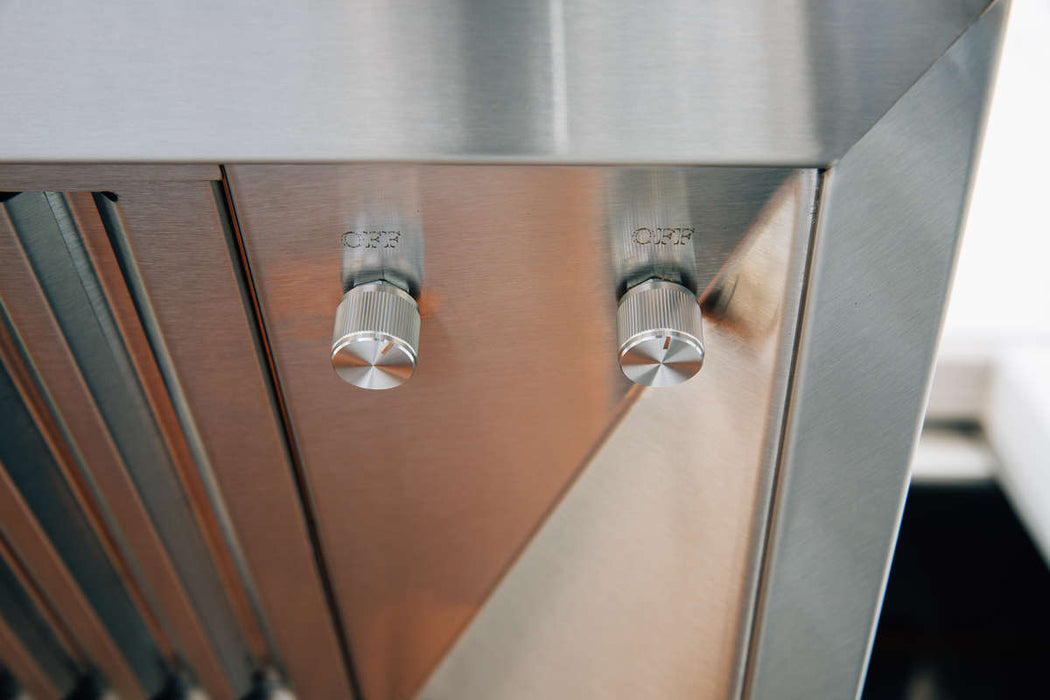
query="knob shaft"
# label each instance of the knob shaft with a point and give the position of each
(376, 336)
(659, 329)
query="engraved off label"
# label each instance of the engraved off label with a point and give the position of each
(663, 236)
(371, 239)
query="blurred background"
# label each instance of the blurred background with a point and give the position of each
(967, 607)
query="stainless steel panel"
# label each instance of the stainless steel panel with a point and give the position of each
(641, 582)
(884, 254)
(425, 494)
(750, 82)
(187, 278)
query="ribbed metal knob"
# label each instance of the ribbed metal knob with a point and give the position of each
(659, 329)
(376, 336)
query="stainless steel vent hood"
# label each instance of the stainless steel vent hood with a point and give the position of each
(505, 210)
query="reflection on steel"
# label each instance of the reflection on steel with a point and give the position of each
(425, 494)
(641, 581)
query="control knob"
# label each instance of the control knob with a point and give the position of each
(659, 329)
(376, 336)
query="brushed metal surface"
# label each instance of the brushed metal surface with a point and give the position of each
(189, 280)
(885, 251)
(793, 82)
(641, 581)
(426, 494)
(30, 316)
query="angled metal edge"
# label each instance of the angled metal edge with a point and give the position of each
(885, 249)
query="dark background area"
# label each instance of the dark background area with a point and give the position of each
(967, 607)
